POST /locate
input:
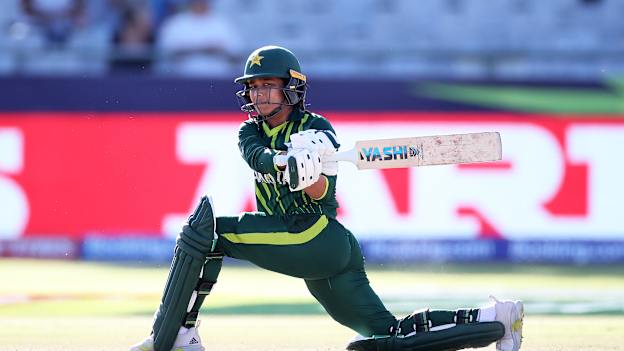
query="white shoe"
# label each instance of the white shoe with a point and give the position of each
(510, 313)
(145, 345)
(188, 340)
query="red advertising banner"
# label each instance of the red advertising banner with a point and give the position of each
(76, 174)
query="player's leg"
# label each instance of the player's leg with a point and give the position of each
(350, 300)
(348, 297)
(193, 271)
(434, 331)
(452, 330)
(302, 246)
(315, 248)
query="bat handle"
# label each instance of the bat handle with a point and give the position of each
(349, 156)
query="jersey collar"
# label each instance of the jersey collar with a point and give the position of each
(296, 114)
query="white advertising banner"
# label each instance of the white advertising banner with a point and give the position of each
(562, 183)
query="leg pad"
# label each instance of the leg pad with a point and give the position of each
(211, 270)
(462, 336)
(194, 246)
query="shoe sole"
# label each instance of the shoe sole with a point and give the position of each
(189, 348)
(519, 316)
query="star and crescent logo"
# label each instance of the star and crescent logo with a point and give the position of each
(256, 60)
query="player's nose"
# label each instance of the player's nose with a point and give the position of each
(260, 92)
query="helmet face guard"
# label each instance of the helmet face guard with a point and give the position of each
(271, 62)
(294, 95)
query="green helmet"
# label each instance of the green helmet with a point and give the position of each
(269, 61)
(273, 61)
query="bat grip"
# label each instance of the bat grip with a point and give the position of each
(349, 156)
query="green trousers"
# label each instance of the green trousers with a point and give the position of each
(317, 249)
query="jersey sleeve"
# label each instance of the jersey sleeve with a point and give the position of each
(321, 123)
(257, 156)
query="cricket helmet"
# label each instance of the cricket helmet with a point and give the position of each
(277, 62)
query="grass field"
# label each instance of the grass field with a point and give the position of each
(55, 305)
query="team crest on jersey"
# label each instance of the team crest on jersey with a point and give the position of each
(270, 179)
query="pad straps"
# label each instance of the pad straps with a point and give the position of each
(465, 316)
(422, 321)
(417, 322)
(211, 270)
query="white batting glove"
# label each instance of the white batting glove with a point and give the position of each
(329, 168)
(322, 141)
(303, 168)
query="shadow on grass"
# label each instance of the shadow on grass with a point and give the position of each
(282, 309)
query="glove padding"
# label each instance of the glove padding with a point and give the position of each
(322, 141)
(329, 168)
(303, 168)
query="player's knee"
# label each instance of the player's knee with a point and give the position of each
(195, 243)
(198, 235)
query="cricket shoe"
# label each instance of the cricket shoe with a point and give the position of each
(188, 340)
(510, 313)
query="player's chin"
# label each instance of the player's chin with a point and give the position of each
(266, 109)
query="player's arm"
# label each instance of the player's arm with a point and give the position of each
(257, 156)
(303, 160)
(304, 172)
(317, 190)
(323, 189)
(322, 124)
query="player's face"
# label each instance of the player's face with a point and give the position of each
(266, 94)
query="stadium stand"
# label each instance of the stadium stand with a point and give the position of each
(396, 38)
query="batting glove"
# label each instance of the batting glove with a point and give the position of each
(322, 141)
(303, 167)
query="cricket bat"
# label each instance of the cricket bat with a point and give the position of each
(423, 151)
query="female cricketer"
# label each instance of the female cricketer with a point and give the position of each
(295, 232)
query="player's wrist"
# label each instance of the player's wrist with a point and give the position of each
(280, 160)
(318, 190)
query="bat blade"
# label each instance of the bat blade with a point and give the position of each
(423, 151)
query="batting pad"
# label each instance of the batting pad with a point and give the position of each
(190, 255)
(474, 335)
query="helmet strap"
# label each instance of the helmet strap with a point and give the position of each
(273, 113)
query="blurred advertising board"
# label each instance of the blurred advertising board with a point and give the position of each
(128, 248)
(51, 248)
(116, 174)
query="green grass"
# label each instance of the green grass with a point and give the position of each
(271, 333)
(56, 305)
(550, 100)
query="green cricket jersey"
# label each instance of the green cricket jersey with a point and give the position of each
(259, 143)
